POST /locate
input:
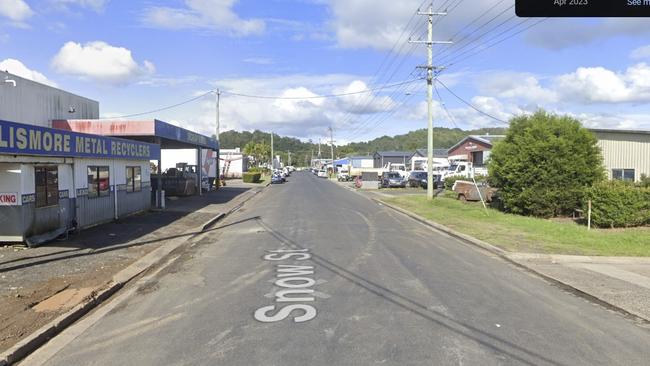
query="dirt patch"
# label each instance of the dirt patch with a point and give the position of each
(26, 309)
(64, 300)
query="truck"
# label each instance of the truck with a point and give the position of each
(389, 167)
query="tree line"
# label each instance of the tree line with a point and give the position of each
(258, 143)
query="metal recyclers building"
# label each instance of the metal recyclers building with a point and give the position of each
(52, 180)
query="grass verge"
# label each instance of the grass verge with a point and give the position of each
(525, 234)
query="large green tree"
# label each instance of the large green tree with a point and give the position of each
(545, 165)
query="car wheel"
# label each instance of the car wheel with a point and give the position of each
(462, 198)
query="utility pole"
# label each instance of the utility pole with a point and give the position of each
(319, 148)
(430, 69)
(217, 168)
(332, 148)
(272, 157)
(289, 158)
(218, 94)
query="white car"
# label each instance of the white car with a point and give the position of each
(322, 174)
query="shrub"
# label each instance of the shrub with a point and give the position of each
(619, 204)
(645, 181)
(251, 177)
(545, 165)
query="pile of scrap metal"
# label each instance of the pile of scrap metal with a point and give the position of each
(179, 181)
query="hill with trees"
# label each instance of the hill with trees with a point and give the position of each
(301, 151)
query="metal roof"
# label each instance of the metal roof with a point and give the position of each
(170, 136)
(394, 153)
(486, 139)
(436, 152)
(606, 130)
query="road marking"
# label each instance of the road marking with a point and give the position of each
(293, 284)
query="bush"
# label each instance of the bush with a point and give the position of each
(618, 204)
(645, 181)
(545, 165)
(251, 177)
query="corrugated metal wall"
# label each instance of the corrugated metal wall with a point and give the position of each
(625, 151)
(37, 104)
(130, 202)
(92, 211)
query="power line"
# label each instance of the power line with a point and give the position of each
(387, 86)
(369, 90)
(471, 105)
(455, 60)
(164, 108)
(442, 103)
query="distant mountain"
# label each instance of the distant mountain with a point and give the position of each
(301, 151)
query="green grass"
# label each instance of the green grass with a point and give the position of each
(525, 234)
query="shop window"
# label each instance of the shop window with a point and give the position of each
(623, 174)
(98, 181)
(133, 179)
(47, 186)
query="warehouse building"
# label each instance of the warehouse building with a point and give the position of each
(381, 158)
(53, 180)
(474, 149)
(626, 153)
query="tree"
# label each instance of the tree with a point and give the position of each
(260, 151)
(545, 165)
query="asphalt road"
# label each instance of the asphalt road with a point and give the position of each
(385, 290)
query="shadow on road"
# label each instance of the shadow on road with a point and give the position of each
(482, 337)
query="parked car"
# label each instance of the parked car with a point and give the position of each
(322, 173)
(392, 179)
(418, 179)
(276, 179)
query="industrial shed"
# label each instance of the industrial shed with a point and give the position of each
(626, 153)
(382, 158)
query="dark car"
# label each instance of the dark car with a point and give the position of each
(418, 179)
(392, 179)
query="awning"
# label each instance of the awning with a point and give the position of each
(152, 131)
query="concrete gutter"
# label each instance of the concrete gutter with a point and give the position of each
(35, 340)
(518, 259)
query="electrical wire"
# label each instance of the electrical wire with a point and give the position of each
(442, 103)
(471, 105)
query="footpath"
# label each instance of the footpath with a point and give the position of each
(41, 284)
(621, 284)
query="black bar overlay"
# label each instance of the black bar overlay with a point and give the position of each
(583, 8)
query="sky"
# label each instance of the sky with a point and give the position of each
(137, 56)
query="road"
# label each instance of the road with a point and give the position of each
(372, 288)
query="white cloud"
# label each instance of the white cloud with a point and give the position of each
(96, 5)
(362, 103)
(379, 23)
(552, 34)
(203, 14)
(641, 53)
(516, 85)
(601, 85)
(18, 68)
(16, 10)
(101, 62)
(258, 60)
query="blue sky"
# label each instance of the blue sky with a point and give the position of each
(135, 56)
